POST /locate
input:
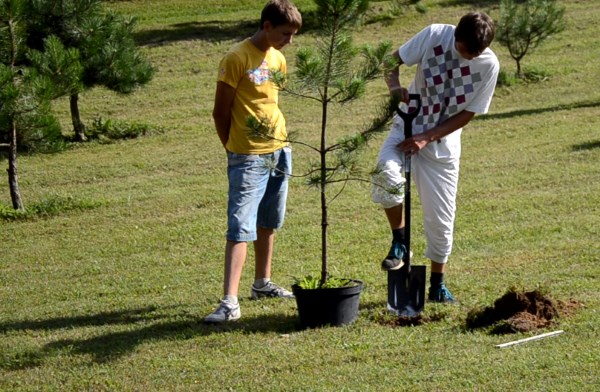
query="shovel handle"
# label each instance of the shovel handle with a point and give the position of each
(408, 117)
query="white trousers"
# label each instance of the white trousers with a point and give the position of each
(435, 173)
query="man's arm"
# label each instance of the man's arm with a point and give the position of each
(222, 110)
(447, 127)
(419, 141)
(392, 78)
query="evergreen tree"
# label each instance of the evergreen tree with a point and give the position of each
(24, 94)
(525, 24)
(109, 56)
(61, 64)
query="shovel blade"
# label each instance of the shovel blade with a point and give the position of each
(406, 290)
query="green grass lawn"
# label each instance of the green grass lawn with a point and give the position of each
(111, 298)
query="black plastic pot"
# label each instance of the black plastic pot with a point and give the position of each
(321, 307)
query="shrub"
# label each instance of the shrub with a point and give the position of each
(50, 206)
(107, 130)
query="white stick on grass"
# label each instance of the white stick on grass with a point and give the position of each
(537, 337)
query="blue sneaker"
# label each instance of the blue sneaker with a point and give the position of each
(394, 259)
(441, 295)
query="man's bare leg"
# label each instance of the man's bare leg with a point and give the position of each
(235, 258)
(263, 250)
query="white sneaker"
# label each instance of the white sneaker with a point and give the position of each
(271, 290)
(225, 312)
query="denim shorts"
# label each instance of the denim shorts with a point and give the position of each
(258, 186)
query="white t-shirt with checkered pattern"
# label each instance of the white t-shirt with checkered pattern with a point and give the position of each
(447, 82)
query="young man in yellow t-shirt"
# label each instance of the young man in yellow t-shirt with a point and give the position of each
(258, 168)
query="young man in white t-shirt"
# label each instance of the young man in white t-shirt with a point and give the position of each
(456, 76)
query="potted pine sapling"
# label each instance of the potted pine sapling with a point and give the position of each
(333, 72)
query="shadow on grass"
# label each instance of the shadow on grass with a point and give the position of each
(528, 112)
(113, 345)
(587, 145)
(476, 4)
(104, 318)
(210, 31)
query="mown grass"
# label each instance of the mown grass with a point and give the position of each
(111, 297)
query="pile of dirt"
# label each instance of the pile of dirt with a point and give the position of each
(516, 312)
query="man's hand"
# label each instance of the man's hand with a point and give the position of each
(400, 93)
(414, 144)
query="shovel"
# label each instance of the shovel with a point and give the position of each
(406, 286)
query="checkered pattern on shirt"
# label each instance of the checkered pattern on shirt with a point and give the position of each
(447, 86)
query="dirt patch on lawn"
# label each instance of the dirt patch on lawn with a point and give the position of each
(405, 321)
(520, 312)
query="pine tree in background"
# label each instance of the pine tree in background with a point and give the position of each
(60, 64)
(108, 54)
(524, 25)
(25, 95)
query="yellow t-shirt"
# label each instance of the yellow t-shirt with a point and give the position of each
(246, 68)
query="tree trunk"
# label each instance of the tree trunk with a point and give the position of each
(323, 151)
(324, 224)
(520, 74)
(78, 126)
(324, 220)
(13, 182)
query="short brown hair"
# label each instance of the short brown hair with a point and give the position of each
(475, 31)
(281, 12)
